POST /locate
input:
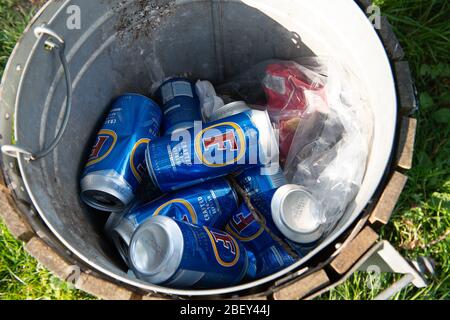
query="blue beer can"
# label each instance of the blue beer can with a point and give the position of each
(210, 204)
(270, 255)
(291, 212)
(260, 184)
(116, 165)
(231, 144)
(182, 255)
(180, 103)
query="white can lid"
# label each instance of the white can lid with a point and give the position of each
(297, 214)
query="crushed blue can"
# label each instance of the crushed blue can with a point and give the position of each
(181, 255)
(210, 204)
(228, 145)
(180, 103)
(116, 165)
(270, 255)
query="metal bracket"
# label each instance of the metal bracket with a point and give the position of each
(43, 30)
(382, 257)
(385, 258)
(53, 41)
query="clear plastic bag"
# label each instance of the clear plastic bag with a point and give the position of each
(330, 148)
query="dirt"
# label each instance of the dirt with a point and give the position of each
(136, 18)
(141, 17)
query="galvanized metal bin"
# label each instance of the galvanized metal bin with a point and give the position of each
(110, 47)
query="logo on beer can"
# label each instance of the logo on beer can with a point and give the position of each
(221, 144)
(138, 166)
(244, 227)
(226, 249)
(106, 140)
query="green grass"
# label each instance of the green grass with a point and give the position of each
(14, 16)
(22, 277)
(420, 225)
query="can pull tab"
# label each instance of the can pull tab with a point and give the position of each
(52, 42)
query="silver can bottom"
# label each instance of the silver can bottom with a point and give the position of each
(106, 191)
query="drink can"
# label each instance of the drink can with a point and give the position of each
(182, 255)
(116, 165)
(180, 104)
(274, 198)
(210, 204)
(231, 144)
(297, 214)
(260, 184)
(269, 254)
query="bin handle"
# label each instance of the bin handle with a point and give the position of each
(53, 41)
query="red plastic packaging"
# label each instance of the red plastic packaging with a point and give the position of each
(293, 92)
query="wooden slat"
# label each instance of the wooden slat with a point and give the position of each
(104, 289)
(91, 284)
(405, 88)
(390, 41)
(387, 35)
(300, 288)
(14, 221)
(48, 258)
(405, 151)
(385, 206)
(354, 250)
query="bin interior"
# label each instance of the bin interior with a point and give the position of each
(126, 46)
